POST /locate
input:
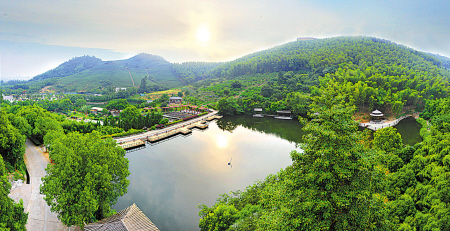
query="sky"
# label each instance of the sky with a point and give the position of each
(38, 35)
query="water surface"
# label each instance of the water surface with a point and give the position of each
(169, 180)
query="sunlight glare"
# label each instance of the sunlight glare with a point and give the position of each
(203, 34)
(221, 141)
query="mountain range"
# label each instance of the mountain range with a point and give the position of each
(88, 73)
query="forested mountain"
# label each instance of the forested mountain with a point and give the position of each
(92, 74)
(73, 66)
(374, 73)
(445, 60)
(193, 71)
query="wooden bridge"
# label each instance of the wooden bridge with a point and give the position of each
(176, 130)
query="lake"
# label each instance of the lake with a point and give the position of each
(170, 179)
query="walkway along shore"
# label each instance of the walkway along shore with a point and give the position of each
(376, 126)
(166, 132)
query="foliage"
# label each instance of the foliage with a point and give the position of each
(117, 104)
(12, 143)
(12, 216)
(387, 139)
(228, 106)
(219, 218)
(127, 133)
(88, 176)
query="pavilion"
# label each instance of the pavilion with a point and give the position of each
(376, 116)
(258, 112)
(284, 115)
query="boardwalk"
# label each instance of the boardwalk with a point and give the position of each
(183, 127)
(40, 217)
(376, 126)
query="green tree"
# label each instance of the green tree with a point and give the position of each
(236, 84)
(387, 139)
(65, 105)
(130, 117)
(143, 86)
(180, 94)
(88, 176)
(218, 218)
(12, 143)
(12, 216)
(336, 183)
(228, 106)
(44, 125)
(117, 104)
(80, 103)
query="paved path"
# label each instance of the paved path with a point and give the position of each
(40, 217)
(167, 129)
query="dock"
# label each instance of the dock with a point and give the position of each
(132, 144)
(213, 117)
(175, 131)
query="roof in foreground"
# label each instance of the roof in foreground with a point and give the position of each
(129, 219)
(175, 98)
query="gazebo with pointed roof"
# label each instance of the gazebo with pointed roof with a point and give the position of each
(376, 115)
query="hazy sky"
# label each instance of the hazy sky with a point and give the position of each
(36, 36)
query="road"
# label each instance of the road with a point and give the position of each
(40, 217)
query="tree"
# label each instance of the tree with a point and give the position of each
(12, 216)
(44, 125)
(12, 143)
(228, 106)
(87, 177)
(266, 91)
(180, 94)
(219, 218)
(130, 117)
(336, 183)
(236, 84)
(226, 92)
(387, 139)
(65, 105)
(80, 103)
(117, 104)
(143, 86)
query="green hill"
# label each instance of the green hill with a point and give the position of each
(89, 73)
(371, 72)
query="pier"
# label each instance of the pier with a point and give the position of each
(175, 131)
(158, 135)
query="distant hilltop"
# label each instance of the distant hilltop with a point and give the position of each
(305, 38)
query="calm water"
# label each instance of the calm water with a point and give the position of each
(409, 129)
(170, 179)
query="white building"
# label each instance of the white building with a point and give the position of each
(10, 98)
(121, 89)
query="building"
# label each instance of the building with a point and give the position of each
(175, 100)
(121, 89)
(95, 110)
(9, 98)
(131, 219)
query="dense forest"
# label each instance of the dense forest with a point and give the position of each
(374, 73)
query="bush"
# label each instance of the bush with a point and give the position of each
(129, 132)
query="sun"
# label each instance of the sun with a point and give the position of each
(203, 34)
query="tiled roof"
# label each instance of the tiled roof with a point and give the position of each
(129, 219)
